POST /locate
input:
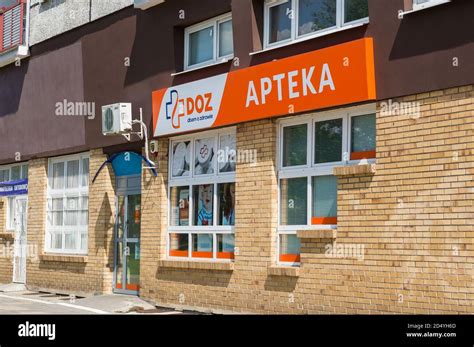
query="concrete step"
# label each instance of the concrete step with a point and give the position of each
(12, 287)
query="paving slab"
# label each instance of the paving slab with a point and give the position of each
(115, 303)
(17, 300)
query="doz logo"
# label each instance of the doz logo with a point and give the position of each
(177, 107)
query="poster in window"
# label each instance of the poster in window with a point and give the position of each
(181, 159)
(227, 204)
(204, 154)
(183, 207)
(227, 153)
(204, 198)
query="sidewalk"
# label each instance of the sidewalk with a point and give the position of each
(15, 299)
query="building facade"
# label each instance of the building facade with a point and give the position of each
(306, 156)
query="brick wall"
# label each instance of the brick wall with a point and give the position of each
(73, 274)
(404, 242)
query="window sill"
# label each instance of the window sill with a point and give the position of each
(310, 37)
(418, 8)
(311, 227)
(10, 56)
(225, 61)
(317, 234)
(7, 236)
(287, 271)
(79, 259)
(355, 170)
(196, 265)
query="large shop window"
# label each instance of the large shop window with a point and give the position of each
(202, 196)
(12, 173)
(290, 20)
(68, 205)
(310, 147)
(209, 42)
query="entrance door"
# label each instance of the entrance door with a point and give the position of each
(127, 244)
(19, 248)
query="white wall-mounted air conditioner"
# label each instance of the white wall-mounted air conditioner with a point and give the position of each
(117, 119)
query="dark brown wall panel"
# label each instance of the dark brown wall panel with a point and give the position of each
(412, 55)
(28, 96)
(415, 54)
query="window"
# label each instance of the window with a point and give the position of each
(324, 208)
(421, 4)
(68, 205)
(310, 147)
(209, 42)
(363, 137)
(290, 20)
(11, 213)
(9, 174)
(13, 172)
(202, 196)
(289, 248)
(4, 175)
(294, 148)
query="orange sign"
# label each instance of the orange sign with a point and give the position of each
(333, 76)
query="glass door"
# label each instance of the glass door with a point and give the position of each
(127, 245)
(20, 245)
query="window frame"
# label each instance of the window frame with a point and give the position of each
(9, 220)
(278, 252)
(10, 167)
(349, 144)
(428, 4)
(214, 22)
(266, 20)
(295, 37)
(9, 223)
(64, 193)
(192, 181)
(311, 169)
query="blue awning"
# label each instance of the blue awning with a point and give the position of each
(126, 164)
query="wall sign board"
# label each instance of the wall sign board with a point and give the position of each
(329, 77)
